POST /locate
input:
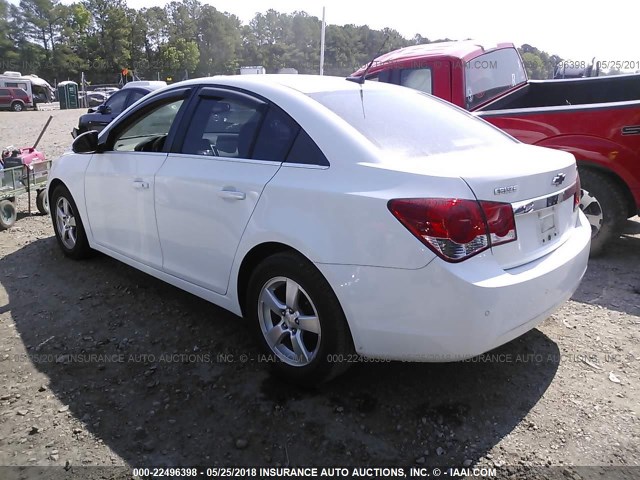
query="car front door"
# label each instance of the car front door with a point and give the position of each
(210, 184)
(119, 182)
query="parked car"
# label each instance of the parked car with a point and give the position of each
(15, 99)
(108, 91)
(596, 119)
(93, 99)
(99, 117)
(320, 211)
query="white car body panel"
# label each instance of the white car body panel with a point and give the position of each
(201, 214)
(401, 301)
(119, 197)
(449, 312)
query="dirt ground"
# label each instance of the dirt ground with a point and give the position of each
(102, 365)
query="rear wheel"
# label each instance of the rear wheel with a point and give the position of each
(68, 226)
(42, 202)
(8, 214)
(17, 106)
(609, 211)
(298, 320)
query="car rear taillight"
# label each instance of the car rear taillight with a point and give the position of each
(453, 228)
(574, 191)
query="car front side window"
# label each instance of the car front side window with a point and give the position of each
(148, 133)
(116, 102)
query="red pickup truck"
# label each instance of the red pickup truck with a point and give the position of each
(597, 119)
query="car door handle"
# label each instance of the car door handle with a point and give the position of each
(232, 194)
(140, 185)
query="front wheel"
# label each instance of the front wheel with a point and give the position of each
(298, 320)
(68, 226)
(8, 214)
(608, 212)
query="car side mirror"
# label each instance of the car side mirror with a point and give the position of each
(86, 143)
(104, 109)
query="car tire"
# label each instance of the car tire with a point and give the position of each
(17, 107)
(42, 202)
(68, 226)
(282, 290)
(8, 214)
(612, 204)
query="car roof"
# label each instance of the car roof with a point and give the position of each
(464, 50)
(148, 85)
(306, 84)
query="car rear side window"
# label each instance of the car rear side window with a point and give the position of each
(5, 91)
(276, 135)
(305, 151)
(416, 78)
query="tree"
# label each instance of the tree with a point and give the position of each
(219, 41)
(109, 45)
(179, 56)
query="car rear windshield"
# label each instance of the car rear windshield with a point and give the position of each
(408, 123)
(491, 74)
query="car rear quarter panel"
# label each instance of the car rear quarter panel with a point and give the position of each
(339, 215)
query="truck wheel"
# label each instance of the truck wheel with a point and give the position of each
(612, 206)
(298, 320)
(8, 214)
(17, 107)
(42, 202)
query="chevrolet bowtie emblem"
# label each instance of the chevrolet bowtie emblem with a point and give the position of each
(558, 179)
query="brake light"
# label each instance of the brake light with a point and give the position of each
(456, 229)
(574, 191)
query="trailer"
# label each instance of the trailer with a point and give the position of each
(23, 170)
(19, 180)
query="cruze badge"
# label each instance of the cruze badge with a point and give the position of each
(558, 179)
(504, 190)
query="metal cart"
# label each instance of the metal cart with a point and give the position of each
(17, 181)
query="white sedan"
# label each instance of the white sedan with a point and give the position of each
(338, 218)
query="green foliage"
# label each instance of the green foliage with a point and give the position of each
(539, 65)
(101, 37)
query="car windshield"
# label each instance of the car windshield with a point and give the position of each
(491, 74)
(409, 123)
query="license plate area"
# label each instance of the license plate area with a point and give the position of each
(547, 222)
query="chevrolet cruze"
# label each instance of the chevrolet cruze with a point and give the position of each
(337, 217)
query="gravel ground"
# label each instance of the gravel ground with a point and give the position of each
(102, 365)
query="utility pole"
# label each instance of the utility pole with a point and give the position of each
(324, 27)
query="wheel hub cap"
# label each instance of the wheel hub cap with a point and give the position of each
(289, 321)
(66, 223)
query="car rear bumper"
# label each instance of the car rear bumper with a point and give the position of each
(449, 312)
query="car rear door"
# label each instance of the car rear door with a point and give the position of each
(119, 182)
(210, 184)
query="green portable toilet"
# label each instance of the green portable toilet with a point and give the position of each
(68, 95)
